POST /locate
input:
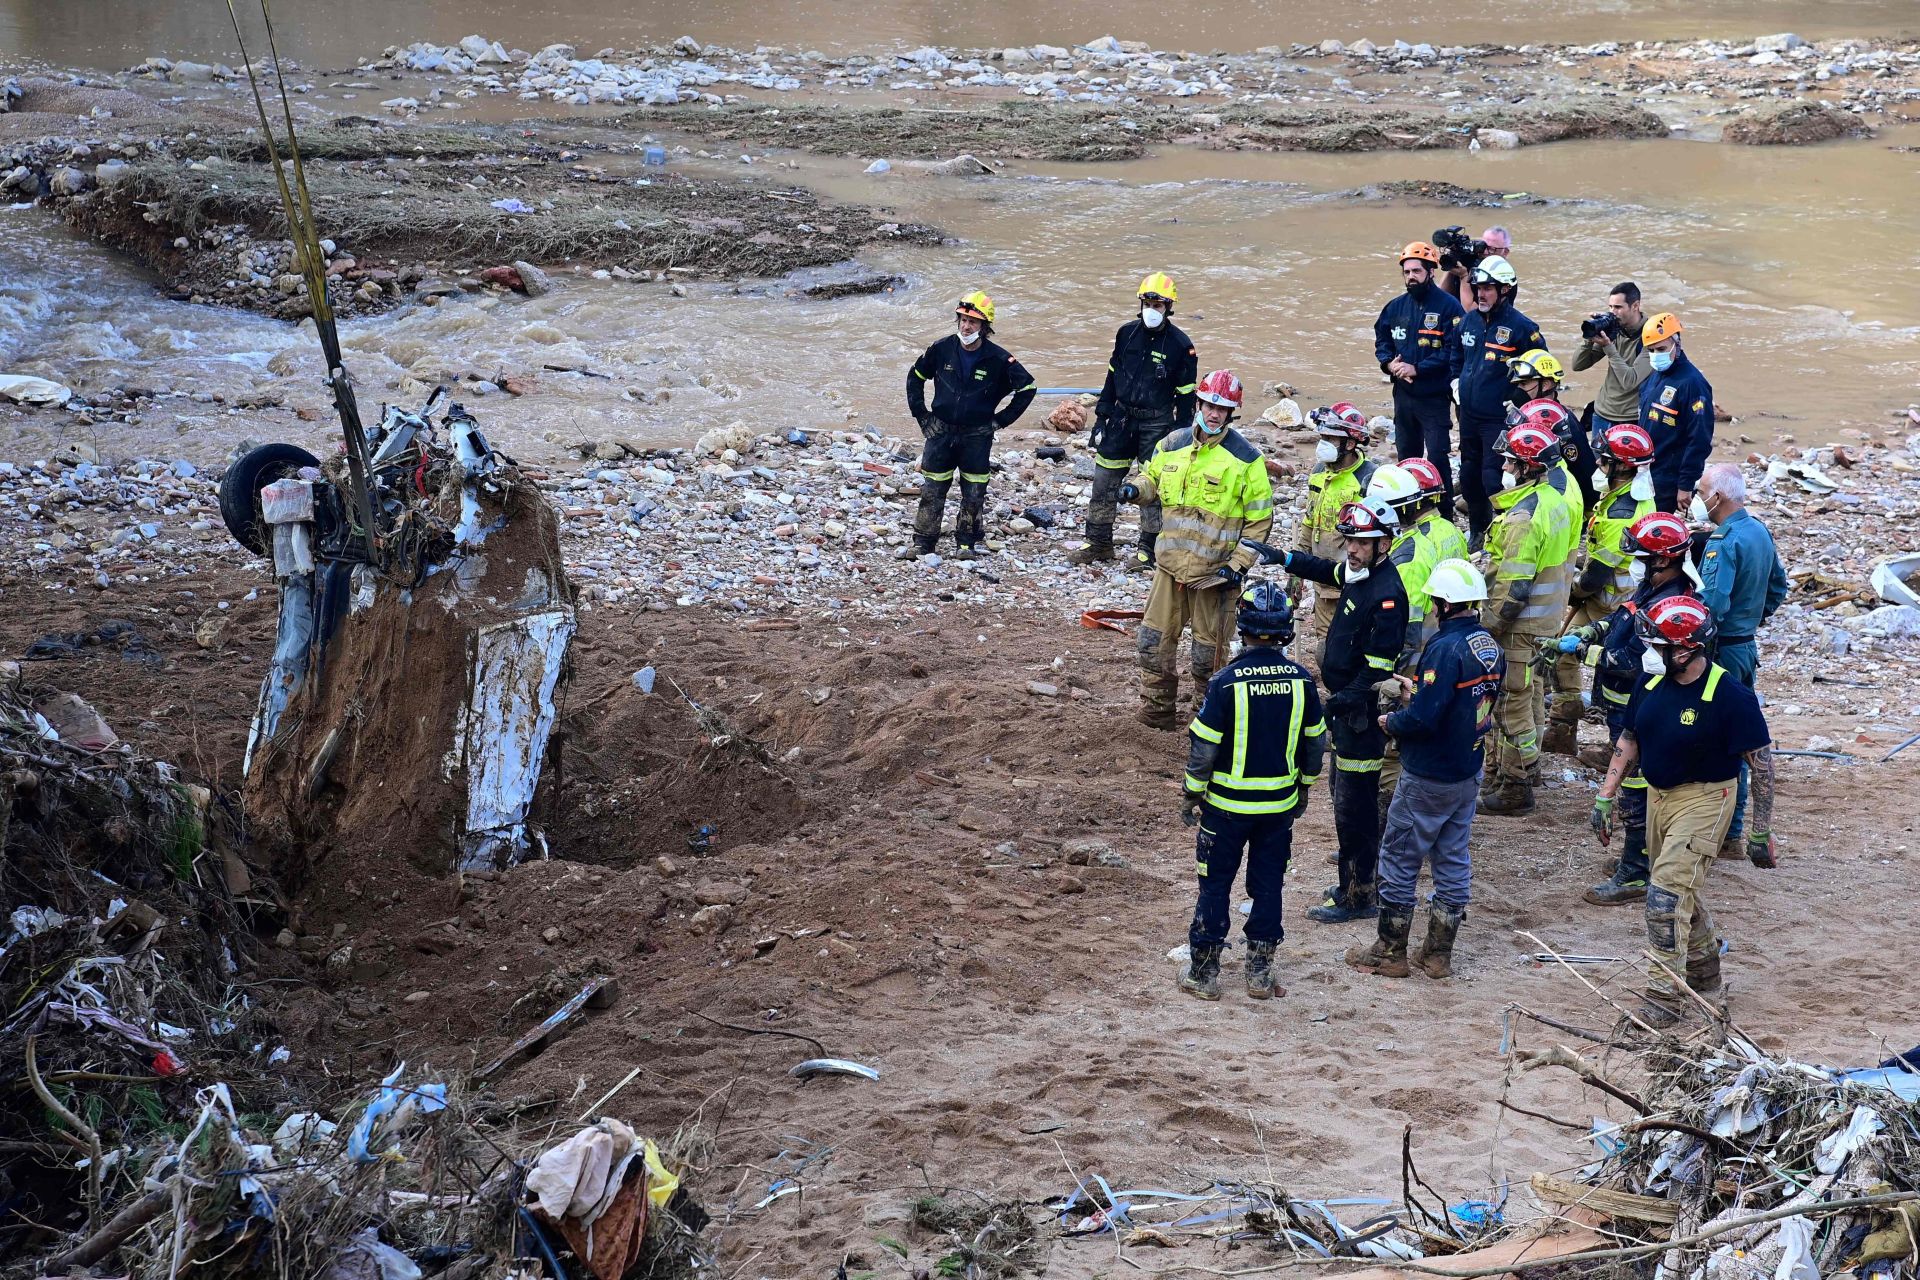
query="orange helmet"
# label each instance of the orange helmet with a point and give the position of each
(1422, 250)
(1659, 328)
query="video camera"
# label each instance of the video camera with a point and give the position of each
(1458, 249)
(1600, 326)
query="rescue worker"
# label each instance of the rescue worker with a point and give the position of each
(1358, 651)
(1341, 472)
(1535, 377)
(1659, 545)
(1742, 582)
(1213, 490)
(1151, 377)
(1688, 729)
(1254, 749)
(1414, 341)
(1531, 548)
(1606, 576)
(1425, 539)
(1676, 408)
(1492, 333)
(971, 376)
(1441, 733)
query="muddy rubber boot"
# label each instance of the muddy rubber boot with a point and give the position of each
(1561, 739)
(1509, 799)
(1202, 977)
(1157, 717)
(1387, 955)
(1656, 1012)
(1436, 949)
(1338, 909)
(1614, 891)
(1732, 849)
(1260, 983)
(915, 549)
(1704, 976)
(1093, 551)
(1140, 562)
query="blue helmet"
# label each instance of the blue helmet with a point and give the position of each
(1266, 612)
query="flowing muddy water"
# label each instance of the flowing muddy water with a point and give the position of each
(1791, 267)
(107, 33)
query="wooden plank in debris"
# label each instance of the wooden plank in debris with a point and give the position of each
(1529, 1249)
(1615, 1204)
(599, 993)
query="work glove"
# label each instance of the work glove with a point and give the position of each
(1190, 808)
(1129, 492)
(1231, 576)
(1760, 849)
(1601, 819)
(931, 426)
(1268, 553)
(1568, 643)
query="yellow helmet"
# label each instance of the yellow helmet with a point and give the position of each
(976, 304)
(1659, 328)
(1537, 363)
(1161, 285)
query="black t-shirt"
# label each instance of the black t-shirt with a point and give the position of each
(1695, 732)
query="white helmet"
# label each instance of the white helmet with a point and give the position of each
(1393, 485)
(1456, 582)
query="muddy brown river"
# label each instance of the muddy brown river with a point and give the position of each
(116, 32)
(1792, 267)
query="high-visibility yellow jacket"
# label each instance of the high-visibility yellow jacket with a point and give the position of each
(1535, 532)
(1328, 490)
(1210, 497)
(1418, 547)
(1605, 579)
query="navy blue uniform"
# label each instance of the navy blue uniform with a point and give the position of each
(1487, 341)
(1422, 327)
(1699, 732)
(1619, 671)
(968, 386)
(1151, 377)
(1676, 408)
(1254, 749)
(1441, 732)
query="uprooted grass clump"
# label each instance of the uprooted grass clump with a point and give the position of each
(1794, 124)
(983, 1237)
(1341, 128)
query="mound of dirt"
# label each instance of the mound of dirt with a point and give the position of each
(1794, 124)
(1342, 128)
(402, 217)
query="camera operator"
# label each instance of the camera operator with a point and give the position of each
(1459, 256)
(1613, 335)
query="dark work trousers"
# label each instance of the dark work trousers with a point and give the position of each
(1582, 465)
(1423, 428)
(1266, 841)
(1479, 467)
(968, 454)
(1359, 747)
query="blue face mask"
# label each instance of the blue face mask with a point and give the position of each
(1661, 360)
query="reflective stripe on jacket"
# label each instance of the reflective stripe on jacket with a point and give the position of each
(1258, 737)
(1210, 498)
(1327, 492)
(1606, 574)
(1531, 545)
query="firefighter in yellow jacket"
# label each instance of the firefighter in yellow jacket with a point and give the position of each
(1213, 491)
(1535, 532)
(1340, 475)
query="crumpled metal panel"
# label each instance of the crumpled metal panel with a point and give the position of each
(503, 738)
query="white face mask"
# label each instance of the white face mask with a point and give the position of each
(1697, 510)
(1358, 575)
(1508, 480)
(1637, 570)
(1151, 318)
(1641, 490)
(1652, 663)
(1600, 480)
(969, 339)
(1327, 451)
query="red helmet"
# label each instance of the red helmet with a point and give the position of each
(1680, 621)
(1425, 474)
(1658, 533)
(1343, 420)
(1550, 415)
(1529, 443)
(1368, 518)
(1628, 443)
(1220, 387)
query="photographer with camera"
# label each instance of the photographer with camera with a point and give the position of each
(1493, 333)
(1460, 254)
(1613, 335)
(1413, 340)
